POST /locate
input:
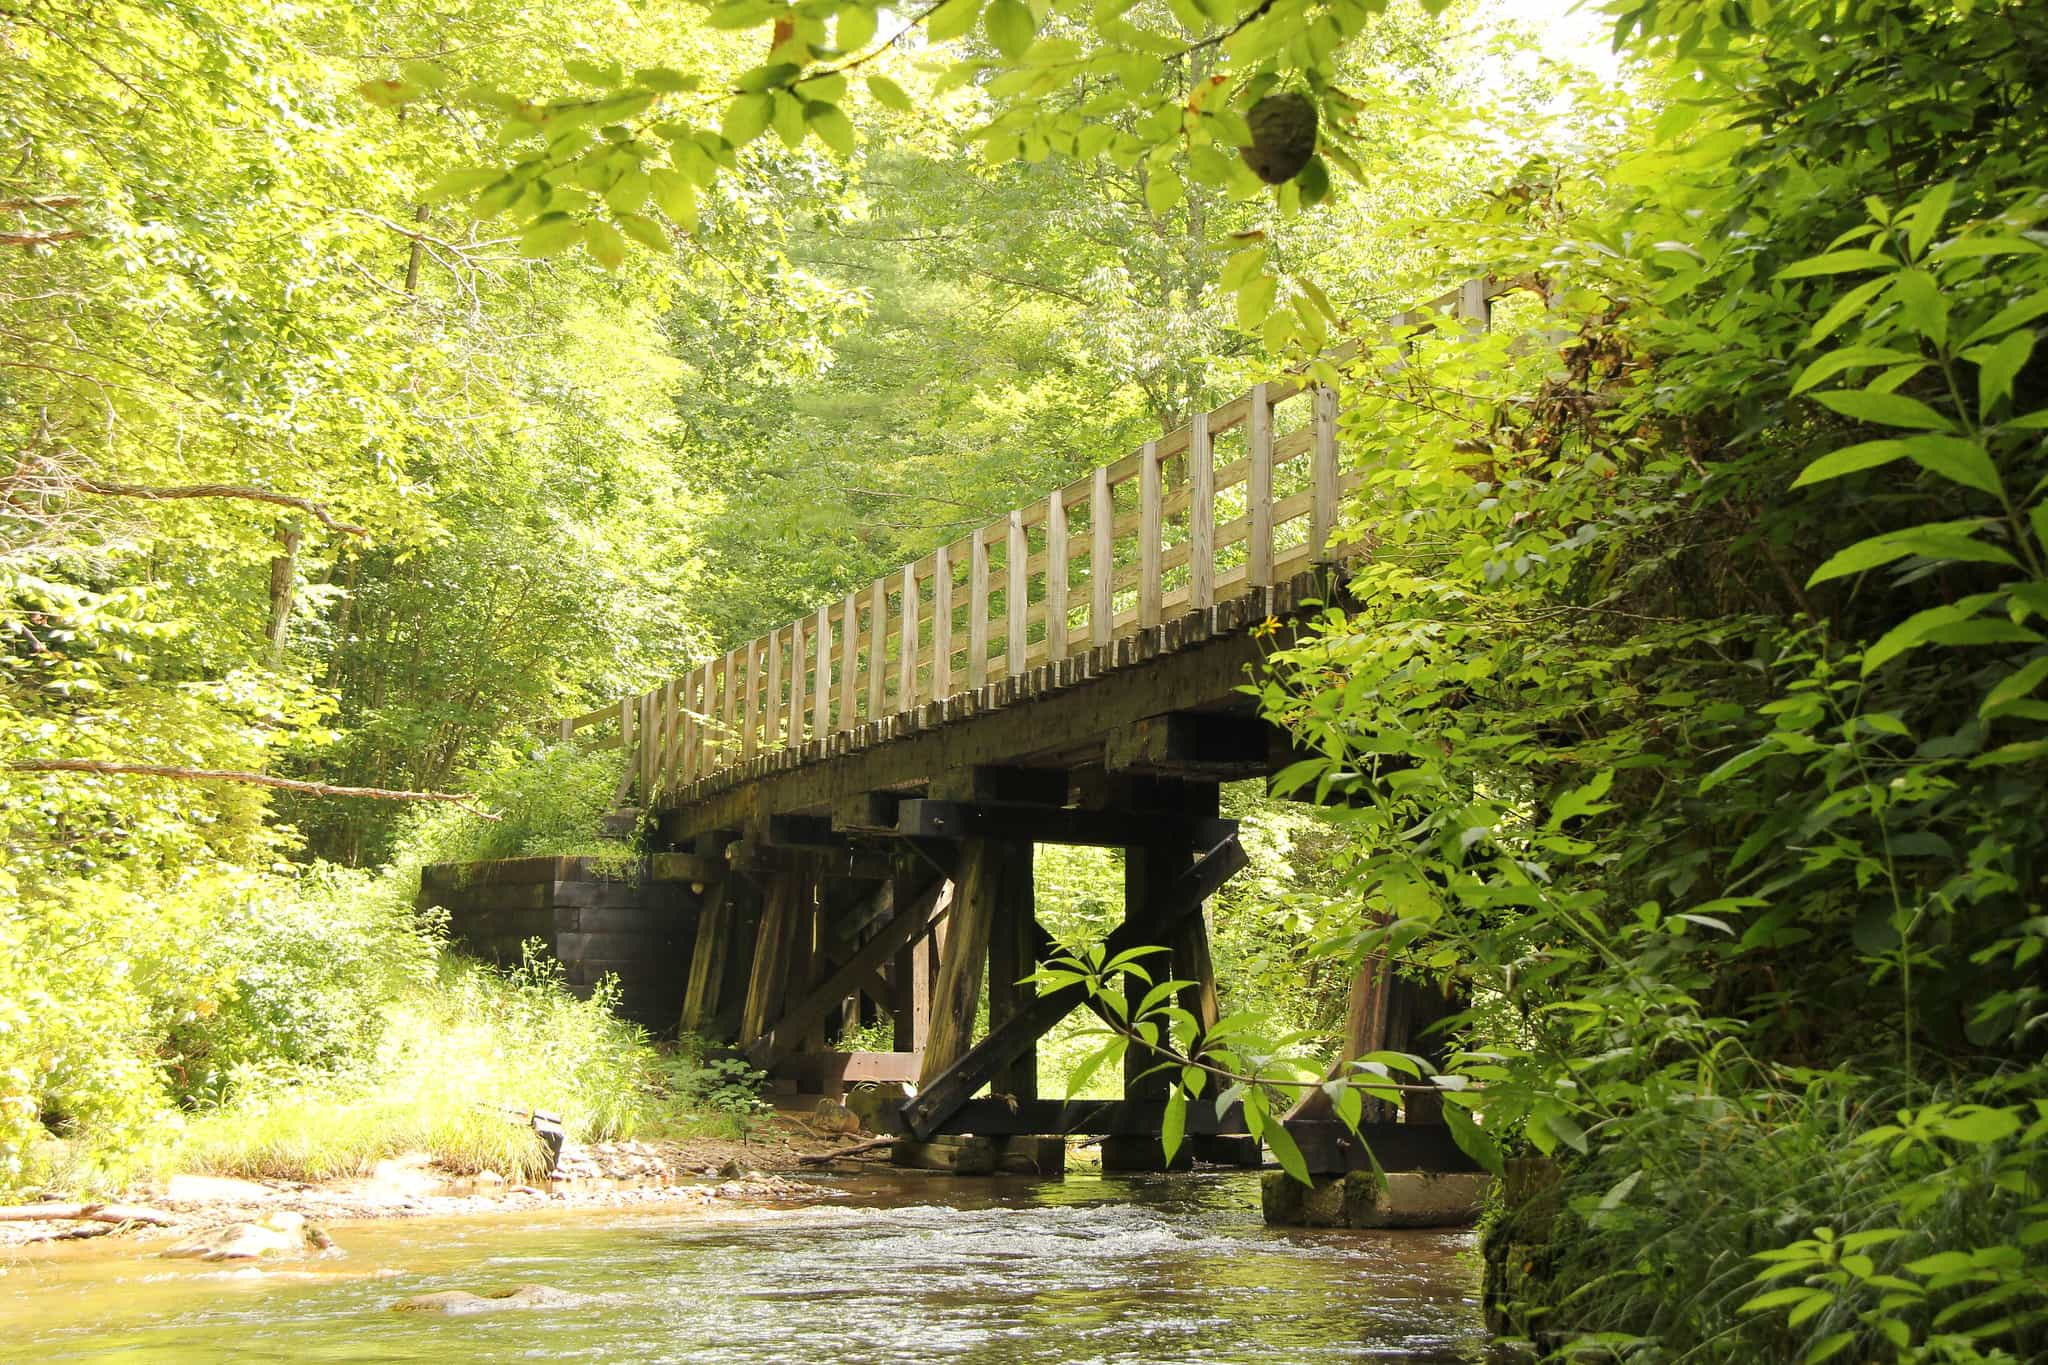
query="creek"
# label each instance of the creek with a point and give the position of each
(1089, 1269)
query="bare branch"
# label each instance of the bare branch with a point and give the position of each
(218, 490)
(90, 765)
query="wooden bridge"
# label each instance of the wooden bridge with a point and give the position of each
(854, 797)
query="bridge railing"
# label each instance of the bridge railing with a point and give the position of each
(1244, 496)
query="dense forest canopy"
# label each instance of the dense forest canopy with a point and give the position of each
(380, 378)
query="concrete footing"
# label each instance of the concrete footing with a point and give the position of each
(1361, 1199)
(1040, 1156)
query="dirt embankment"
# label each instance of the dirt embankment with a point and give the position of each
(700, 1172)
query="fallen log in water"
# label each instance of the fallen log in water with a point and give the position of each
(94, 1213)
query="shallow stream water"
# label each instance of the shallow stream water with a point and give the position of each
(1088, 1269)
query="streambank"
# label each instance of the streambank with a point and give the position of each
(670, 1174)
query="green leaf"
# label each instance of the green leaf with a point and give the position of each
(2011, 316)
(1847, 358)
(746, 118)
(1883, 409)
(1843, 309)
(856, 27)
(645, 231)
(604, 244)
(1914, 631)
(1565, 1129)
(1173, 1123)
(1850, 460)
(1009, 26)
(1162, 190)
(1923, 219)
(550, 236)
(1997, 364)
(1957, 460)
(1286, 1153)
(460, 181)
(1944, 541)
(887, 93)
(1085, 1070)
(831, 125)
(1472, 1140)
(1827, 1348)
(789, 119)
(666, 79)
(1836, 263)
(2015, 686)
(953, 19)
(676, 197)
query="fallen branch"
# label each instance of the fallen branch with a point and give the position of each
(218, 490)
(90, 1213)
(89, 765)
(820, 1158)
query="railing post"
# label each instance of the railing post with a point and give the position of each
(977, 609)
(1258, 492)
(771, 728)
(1322, 516)
(849, 663)
(821, 686)
(795, 715)
(878, 648)
(1101, 560)
(728, 741)
(678, 731)
(1016, 594)
(1473, 305)
(906, 681)
(942, 623)
(1056, 577)
(1150, 532)
(750, 716)
(707, 728)
(1201, 514)
(649, 733)
(566, 727)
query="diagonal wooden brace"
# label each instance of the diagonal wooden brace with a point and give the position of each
(925, 1113)
(902, 929)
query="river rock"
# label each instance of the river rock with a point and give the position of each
(279, 1234)
(462, 1301)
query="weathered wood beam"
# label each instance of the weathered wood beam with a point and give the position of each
(685, 867)
(945, 1089)
(910, 920)
(990, 782)
(707, 959)
(1053, 825)
(956, 997)
(1200, 745)
(774, 946)
(1015, 943)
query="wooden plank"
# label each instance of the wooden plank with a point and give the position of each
(1016, 594)
(821, 700)
(1015, 942)
(942, 1090)
(773, 948)
(1323, 477)
(906, 663)
(878, 648)
(1151, 533)
(1258, 494)
(1149, 870)
(942, 624)
(1201, 513)
(728, 751)
(911, 1009)
(799, 673)
(750, 707)
(771, 729)
(1101, 560)
(911, 920)
(823, 1073)
(849, 662)
(1055, 579)
(977, 610)
(956, 998)
(707, 960)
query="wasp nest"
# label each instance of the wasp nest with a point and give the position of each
(1283, 136)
